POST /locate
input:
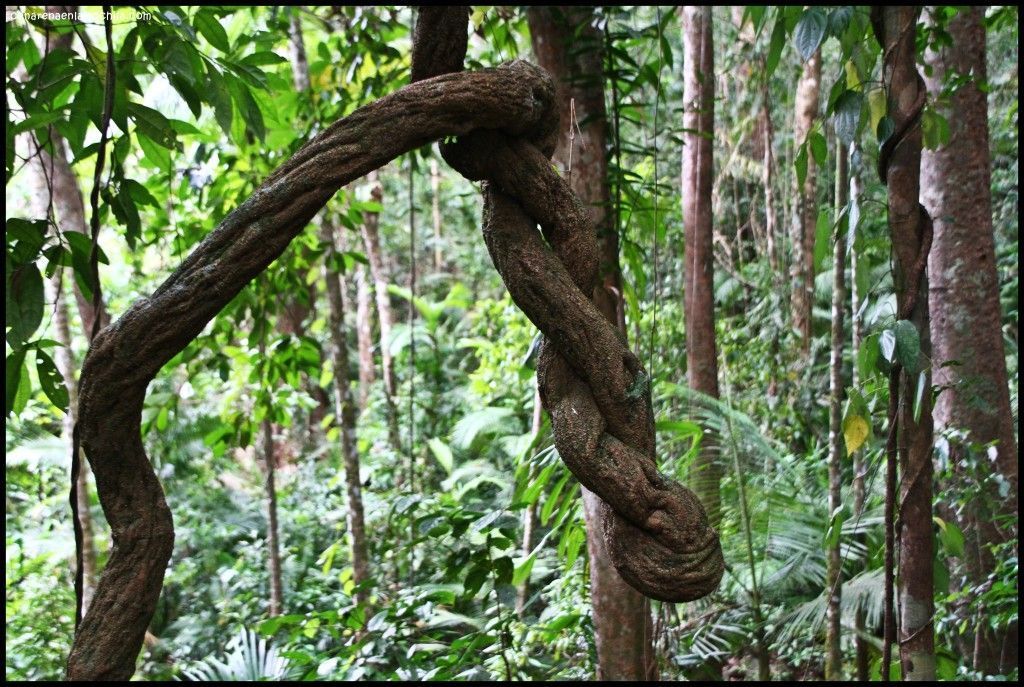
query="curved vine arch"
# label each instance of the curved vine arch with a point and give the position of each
(597, 392)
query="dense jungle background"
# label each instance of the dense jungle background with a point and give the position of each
(362, 479)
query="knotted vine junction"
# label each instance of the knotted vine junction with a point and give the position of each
(499, 126)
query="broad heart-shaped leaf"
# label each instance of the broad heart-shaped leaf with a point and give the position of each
(855, 432)
(51, 380)
(847, 115)
(810, 31)
(908, 345)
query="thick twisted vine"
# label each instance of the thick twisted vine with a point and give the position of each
(596, 390)
(125, 356)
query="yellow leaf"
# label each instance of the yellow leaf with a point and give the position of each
(855, 431)
(876, 105)
(852, 77)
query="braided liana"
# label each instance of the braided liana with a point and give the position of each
(596, 391)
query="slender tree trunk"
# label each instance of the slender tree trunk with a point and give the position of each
(766, 180)
(371, 242)
(967, 317)
(699, 305)
(804, 222)
(270, 501)
(364, 335)
(65, 360)
(910, 229)
(344, 411)
(833, 576)
(530, 514)
(435, 206)
(859, 466)
(570, 47)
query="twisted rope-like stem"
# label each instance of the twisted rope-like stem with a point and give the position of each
(596, 390)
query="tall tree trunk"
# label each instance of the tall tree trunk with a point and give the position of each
(833, 575)
(699, 304)
(804, 221)
(371, 242)
(964, 300)
(910, 229)
(570, 47)
(859, 465)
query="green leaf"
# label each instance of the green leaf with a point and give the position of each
(800, 163)
(15, 363)
(153, 124)
(210, 27)
(156, 156)
(919, 393)
(778, 40)
(867, 356)
(951, 536)
(887, 345)
(24, 302)
(24, 391)
(819, 148)
(908, 345)
(218, 96)
(523, 570)
(442, 453)
(847, 115)
(51, 380)
(810, 31)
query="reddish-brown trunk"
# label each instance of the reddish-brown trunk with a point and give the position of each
(909, 228)
(699, 304)
(570, 47)
(966, 314)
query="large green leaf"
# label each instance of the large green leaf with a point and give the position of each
(810, 31)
